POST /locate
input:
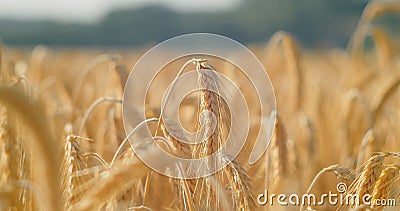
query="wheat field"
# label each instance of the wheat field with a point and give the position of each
(63, 144)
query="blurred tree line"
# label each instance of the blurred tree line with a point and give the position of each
(315, 23)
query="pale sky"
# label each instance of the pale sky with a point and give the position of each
(92, 10)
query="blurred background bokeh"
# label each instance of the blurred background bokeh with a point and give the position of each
(131, 23)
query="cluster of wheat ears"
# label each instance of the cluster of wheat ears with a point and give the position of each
(63, 144)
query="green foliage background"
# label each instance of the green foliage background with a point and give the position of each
(315, 23)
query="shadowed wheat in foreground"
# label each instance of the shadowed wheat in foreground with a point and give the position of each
(63, 144)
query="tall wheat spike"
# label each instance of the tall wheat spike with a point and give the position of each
(212, 103)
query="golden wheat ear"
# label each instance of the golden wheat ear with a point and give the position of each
(383, 188)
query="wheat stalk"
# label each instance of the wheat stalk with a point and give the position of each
(352, 98)
(367, 147)
(372, 11)
(383, 94)
(44, 149)
(211, 101)
(308, 129)
(278, 153)
(316, 178)
(384, 49)
(91, 108)
(292, 55)
(74, 160)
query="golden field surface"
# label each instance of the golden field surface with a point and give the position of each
(63, 144)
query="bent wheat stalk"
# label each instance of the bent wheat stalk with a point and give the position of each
(316, 178)
(85, 72)
(383, 46)
(45, 147)
(373, 10)
(92, 107)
